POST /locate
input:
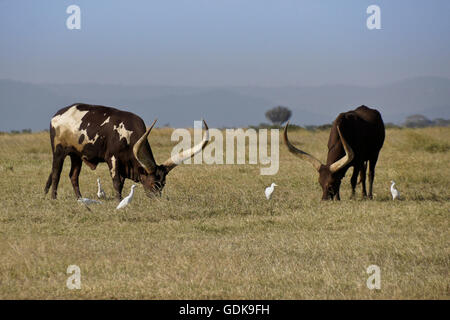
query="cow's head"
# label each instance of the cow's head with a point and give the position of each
(329, 175)
(153, 176)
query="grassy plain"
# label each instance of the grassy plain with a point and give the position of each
(213, 235)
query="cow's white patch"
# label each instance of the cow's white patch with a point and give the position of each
(123, 132)
(105, 122)
(113, 166)
(86, 138)
(67, 132)
(69, 119)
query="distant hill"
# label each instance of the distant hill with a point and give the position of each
(25, 105)
(420, 121)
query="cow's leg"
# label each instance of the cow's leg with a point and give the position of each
(122, 182)
(49, 183)
(117, 179)
(49, 180)
(372, 164)
(354, 179)
(58, 161)
(362, 176)
(337, 197)
(75, 173)
(118, 182)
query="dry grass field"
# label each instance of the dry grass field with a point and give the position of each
(213, 235)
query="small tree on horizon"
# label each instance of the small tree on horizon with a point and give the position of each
(417, 121)
(278, 115)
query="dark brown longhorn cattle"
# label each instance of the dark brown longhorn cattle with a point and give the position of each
(94, 134)
(355, 138)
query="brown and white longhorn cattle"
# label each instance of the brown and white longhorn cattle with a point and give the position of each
(355, 138)
(94, 134)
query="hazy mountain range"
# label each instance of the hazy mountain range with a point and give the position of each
(26, 105)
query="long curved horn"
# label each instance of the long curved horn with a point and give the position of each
(299, 153)
(142, 154)
(345, 159)
(175, 160)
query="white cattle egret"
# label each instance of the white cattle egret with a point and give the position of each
(395, 193)
(125, 201)
(269, 190)
(100, 193)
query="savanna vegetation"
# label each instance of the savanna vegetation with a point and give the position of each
(213, 235)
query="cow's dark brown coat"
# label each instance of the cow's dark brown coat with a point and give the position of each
(363, 131)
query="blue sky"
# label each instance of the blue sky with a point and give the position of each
(224, 43)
